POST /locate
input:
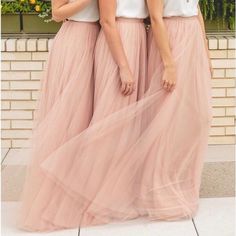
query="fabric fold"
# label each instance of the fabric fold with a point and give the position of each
(141, 160)
(146, 159)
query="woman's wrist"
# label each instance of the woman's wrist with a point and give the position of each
(169, 66)
(123, 67)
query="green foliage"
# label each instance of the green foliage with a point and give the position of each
(211, 9)
(40, 7)
(219, 9)
(10, 7)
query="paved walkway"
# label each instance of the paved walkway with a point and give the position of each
(215, 218)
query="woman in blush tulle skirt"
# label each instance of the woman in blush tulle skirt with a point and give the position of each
(64, 109)
(179, 67)
(120, 71)
(120, 56)
(144, 159)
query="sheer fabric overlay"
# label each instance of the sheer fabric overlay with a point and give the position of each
(142, 160)
(63, 110)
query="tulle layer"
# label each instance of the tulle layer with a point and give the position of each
(142, 159)
(108, 97)
(50, 207)
(63, 110)
(107, 100)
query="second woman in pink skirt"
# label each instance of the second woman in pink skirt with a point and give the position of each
(120, 75)
(120, 56)
(145, 158)
(120, 80)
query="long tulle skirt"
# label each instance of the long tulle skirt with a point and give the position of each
(144, 159)
(107, 93)
(63, 110)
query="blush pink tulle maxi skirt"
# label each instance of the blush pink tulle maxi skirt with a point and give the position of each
(64, 109)
(107, 93)
(145, 158)
(47, 206)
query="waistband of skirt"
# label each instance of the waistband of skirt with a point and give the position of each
(124, 19)
(181, 18)
(83, 22)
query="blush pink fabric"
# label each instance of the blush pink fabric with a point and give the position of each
(142, 159)
(107, 93)
(64, 109)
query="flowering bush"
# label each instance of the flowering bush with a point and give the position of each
(40, 7)
(211, 9)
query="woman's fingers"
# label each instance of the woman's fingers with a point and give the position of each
(127, 88)
(132, 88)
(173, 86)
(168, 85)
(165, 84)
(123, 87)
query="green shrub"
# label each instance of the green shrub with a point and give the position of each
(41, 7)
(219, 9)
(211, 9)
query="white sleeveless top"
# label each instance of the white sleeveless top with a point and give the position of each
(131, 9)
(185, 8)
(88, 14)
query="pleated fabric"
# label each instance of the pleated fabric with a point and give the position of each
(63, 110)
(143, 159)
(107, 93)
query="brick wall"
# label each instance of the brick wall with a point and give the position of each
(24, 59)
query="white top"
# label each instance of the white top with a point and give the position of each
(185, 8)
(88, 14)
(132, 9)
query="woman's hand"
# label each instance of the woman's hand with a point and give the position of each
(169, 78)
(127, 81)
(160, 35)
(109, 26)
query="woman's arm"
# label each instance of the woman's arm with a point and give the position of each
(109, 26)
(62, 9)
(204, 36)
(161, 38)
